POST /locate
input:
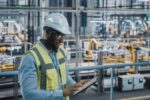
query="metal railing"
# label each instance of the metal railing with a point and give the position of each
(82, 68)
(111, 67)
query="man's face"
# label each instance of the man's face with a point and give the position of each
(55, 39)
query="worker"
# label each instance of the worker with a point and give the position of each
(43, 74)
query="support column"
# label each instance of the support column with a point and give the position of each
(100, 77)
(44, 3)
(77, 32)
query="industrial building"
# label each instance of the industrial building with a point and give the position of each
(109, 45)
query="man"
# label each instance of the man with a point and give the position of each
(42, 72)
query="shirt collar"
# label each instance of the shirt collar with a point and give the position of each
(42, 44)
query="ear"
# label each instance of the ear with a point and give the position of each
(47, 35)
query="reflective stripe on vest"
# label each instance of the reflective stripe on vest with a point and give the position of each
(37, 64)
(47, 73)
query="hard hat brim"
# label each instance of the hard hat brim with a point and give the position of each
(64, 32)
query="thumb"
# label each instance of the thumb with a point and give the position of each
(83, 82)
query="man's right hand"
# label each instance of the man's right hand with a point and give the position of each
(69, 90)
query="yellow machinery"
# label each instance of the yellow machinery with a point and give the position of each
(7, 67)
(111, 59)
(132, 48)
(3, 49)
(89, 54)
(18, 33)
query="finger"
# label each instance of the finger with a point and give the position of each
(75, 89)
(83, 81)
(77, 85)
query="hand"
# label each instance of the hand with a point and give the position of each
(69, 90)
(83, 82)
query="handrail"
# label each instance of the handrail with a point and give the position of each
(108, 66)
(13, 73)
(9, 73)
(81, 68)
(112, 67)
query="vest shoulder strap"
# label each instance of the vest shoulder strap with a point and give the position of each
(42, 69)
(62, 50)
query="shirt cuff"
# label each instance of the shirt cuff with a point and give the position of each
(59, 93)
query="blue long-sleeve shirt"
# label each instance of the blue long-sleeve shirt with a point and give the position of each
(29, 82)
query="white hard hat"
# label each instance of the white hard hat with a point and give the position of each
(57, 22)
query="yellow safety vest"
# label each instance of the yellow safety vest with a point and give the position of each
(48, 77)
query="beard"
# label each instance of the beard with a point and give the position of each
(51, 42)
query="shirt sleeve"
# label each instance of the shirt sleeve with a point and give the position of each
(29, 82)
(70, 81)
